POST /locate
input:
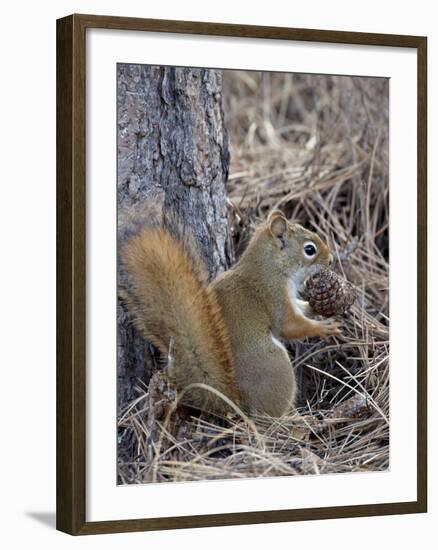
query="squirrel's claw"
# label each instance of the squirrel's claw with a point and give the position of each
(330, 327)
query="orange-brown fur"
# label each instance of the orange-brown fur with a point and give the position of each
(227, 334)
(171, 303)
(295, 325)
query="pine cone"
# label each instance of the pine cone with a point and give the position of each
(328, 293)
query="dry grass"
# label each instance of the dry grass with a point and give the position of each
(316, 147)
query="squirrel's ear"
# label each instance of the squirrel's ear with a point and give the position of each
(277, 223)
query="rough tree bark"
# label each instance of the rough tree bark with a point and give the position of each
(173, 152)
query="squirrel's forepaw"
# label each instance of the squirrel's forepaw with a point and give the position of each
(330, 327)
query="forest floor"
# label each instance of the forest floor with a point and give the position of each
(317, 148)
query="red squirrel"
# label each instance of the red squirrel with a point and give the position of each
(227, 334)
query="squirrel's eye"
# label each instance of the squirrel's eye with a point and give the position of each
(309, 250)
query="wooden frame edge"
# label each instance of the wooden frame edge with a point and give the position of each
(70, 250)
(70, 174)
(247, 31)
(422, 274)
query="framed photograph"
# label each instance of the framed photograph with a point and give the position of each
(241, 274)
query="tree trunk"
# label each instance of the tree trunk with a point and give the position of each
(172, 152)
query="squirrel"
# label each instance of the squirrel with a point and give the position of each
(227, 334)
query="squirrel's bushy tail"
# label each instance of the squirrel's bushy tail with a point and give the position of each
(176, 311)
